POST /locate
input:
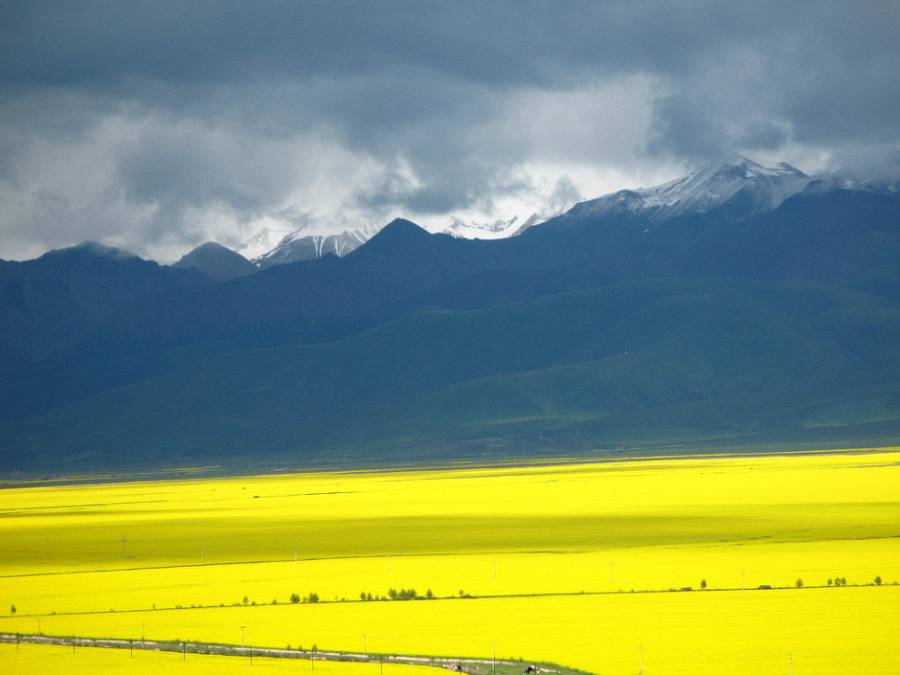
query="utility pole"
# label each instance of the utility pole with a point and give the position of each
(73, 643)
(142, 634)
(366, 646)
(494, 656)
(131, 647)
(742, 578)
(242, 636)
(183, 651)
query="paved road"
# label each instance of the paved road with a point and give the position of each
(465, 665)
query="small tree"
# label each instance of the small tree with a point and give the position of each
(703, 584)
(799, 583)
(362, 596)
(313, 597)
(830, 581)
(246, 600)
(878, 581)
(12, 609)
(295, 598)
(430, 595)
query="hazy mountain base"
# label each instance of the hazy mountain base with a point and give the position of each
(681, 363)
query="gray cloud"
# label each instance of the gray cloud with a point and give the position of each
(156, 124)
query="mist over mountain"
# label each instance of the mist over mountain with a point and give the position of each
(738, 306)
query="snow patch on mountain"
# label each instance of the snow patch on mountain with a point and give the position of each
(262, 242)
(305, 245)
(498, 229)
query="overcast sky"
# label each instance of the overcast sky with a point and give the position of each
(157, 125)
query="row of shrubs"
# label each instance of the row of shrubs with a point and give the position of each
(411, 594)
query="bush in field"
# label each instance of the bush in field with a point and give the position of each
(12, 609)
(799, 583)
(830, 581)
(403, 594)
(703, 584)
(312, 597)
(878, 581)
(429, 594)
(295, 598)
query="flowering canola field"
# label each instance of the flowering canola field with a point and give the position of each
(42, 659)
(582, 564)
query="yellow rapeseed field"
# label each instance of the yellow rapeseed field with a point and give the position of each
(42, 659)
(836, 630)
(500, 534)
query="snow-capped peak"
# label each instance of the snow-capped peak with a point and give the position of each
(498, 229)
(301, 244)
(708, 187)
(262, 242)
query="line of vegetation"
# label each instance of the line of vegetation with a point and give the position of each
(406, 594)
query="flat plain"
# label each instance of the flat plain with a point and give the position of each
(583, 564)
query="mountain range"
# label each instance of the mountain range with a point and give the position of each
(310, 242)
(741, 305)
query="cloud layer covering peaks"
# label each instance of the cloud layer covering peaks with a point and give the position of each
(157, 125)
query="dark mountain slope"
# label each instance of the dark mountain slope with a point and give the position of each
(841, 236)
(47, 305)
(578, 368)
(310, 301)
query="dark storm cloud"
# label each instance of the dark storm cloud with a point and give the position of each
(175, 107)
